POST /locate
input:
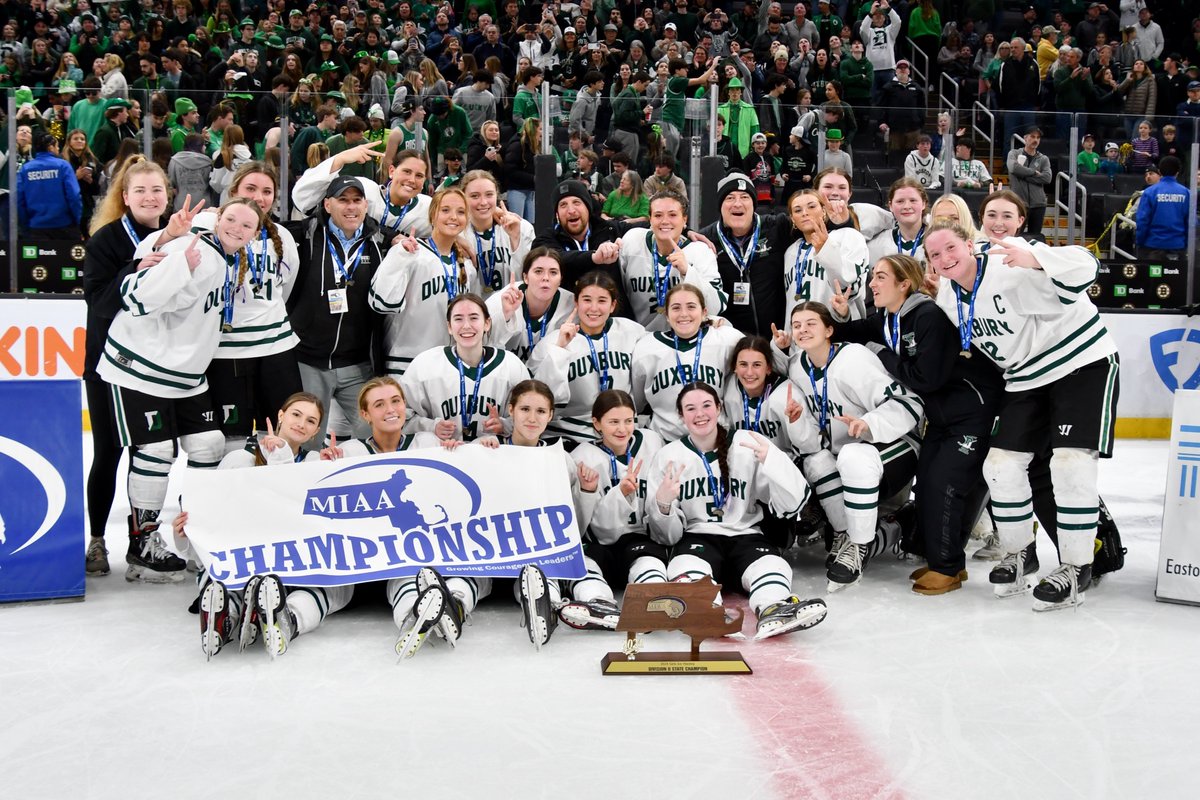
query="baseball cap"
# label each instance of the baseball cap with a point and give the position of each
(613, 144)
(758, 137)
(1193, 85)
(567, 30)
(903, 62)
(341, 184)
(1111, 146)
(610, 27)
(670, 26)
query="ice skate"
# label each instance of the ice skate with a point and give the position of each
(148, 558)
(592, 615)
(810, 527)
(840, 540)
(97, 557)
(427, 611)
(248, 629)
(1062, 588)
(219, 618)
(790, 615)
(275, 620)
(847, 567)
(1016, 574)
(990, 550)
(540, 619)
(449, 625)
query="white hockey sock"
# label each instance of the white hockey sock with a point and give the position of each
(1074, 474)
(149, 466)
(647, 569)
(312, 605)
(691, 568)
(861, 470)
(469, 591)
(402, 594)
(821, 472)
(592, 586)
(768, 580)
(204, 450)
(1007, 475)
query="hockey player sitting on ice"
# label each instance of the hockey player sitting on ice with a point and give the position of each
(418, 277)
(458, 391)
(908, 202)
(424, 602)
(591, 353)
(542, 307)
(617, 549)
(692, 349)
(501, 238)
(863, 446)
(704, 499)
(398, 206)
(1034, 319)
(653, 261)
(265, 605)
(922, 166)
(155, 357)
(920, 348)
(821, 256)
(760, 399)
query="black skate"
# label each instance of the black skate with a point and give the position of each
(148, 558)
(591, 615)
(1016, 573)
(838, 542)
(275, 620)
(847, 567)
(427, 612)
(540, 619)
(1062, 588)
(449, 625)
(219, 618)
(792, 614)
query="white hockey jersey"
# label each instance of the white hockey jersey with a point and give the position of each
(646, 291)
(414, 290)
(615, 515)
(421, 440)
(660, 371)
(437, 390)
(809, 274)
(411, 218)
(163, 340)
(1038, 325)
(578, 373)
(248, 456)
(776, 483)
(521, 334)
(767, 415)
(855, 384)
(498, 257)
(890, 242)
(927, 171)
(260, 320)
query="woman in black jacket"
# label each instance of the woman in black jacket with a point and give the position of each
(920, 347)
(485, 152)
(519, 155)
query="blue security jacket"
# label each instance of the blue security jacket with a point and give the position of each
(1162, 216)
(48, 193)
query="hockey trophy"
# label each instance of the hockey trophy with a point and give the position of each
(686, 607)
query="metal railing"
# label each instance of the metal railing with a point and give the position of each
(921, 72)
(949, 101)
(1115, 250)
(979, 133)
(1063, 204)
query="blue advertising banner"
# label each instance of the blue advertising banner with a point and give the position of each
(41, 490)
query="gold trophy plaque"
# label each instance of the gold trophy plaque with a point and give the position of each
(686, 607)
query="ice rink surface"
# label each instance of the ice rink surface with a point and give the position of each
(894, 695)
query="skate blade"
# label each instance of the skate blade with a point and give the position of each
(1045, 605)
(834, 586)
(533, 589)
(1006, 590)
(577, 616)
(268, 601)
(142, 575)
(212, 602)
(429, 609)
(807, 617)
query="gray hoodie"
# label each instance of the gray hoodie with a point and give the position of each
(189, 172)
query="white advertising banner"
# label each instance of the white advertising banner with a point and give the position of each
(42, 338)
(472, 512)
(1179, 545)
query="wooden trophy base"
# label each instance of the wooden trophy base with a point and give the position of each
(677, 663)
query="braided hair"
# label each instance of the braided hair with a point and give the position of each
(243, 260)
(260, 168)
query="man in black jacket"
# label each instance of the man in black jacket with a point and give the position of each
(329, 307)
(903, 103)
(1016, 92)
(750, 250)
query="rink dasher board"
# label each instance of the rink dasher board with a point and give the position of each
(1179, 545)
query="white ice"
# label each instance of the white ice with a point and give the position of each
(894, 695)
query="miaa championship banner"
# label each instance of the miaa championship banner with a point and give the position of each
(473, 512)
(41, 490)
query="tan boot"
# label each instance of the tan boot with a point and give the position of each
(918, 573)
(936, 583)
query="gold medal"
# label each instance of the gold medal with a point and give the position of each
(965, 353)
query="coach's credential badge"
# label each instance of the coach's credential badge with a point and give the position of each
(741, 293)
(686, 607)
(337, 301)
(967, 445)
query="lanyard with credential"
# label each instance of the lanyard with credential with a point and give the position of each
(803, 254)
(227, 289)
(661, 282)
(612, 463)
(387, 203)
(695, 361)
(580, 246)
(762, 401)
(741, 259)
(718, 491)
(823, 406)
(465, 410)
(965, 332)
(258, 264)
(344, 271)
(916, 243)
(487, 266)
(892, 333)
(452, 286)
(601, 368)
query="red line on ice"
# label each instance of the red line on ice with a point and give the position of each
(815, 750)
